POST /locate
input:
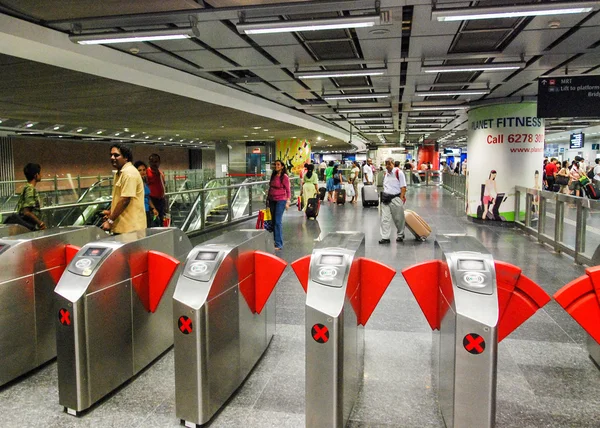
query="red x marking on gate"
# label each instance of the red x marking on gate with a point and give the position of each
(474, 343)
(320, 333)
(185, 325)
(64, 316)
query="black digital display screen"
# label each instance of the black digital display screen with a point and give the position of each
(471, 265)
(94, 252)
(332, 260)
(576, 141)
(206, 255)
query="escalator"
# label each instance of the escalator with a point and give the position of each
(90, 214)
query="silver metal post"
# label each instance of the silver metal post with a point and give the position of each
(558, 224)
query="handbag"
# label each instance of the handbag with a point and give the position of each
(563, 180)
(386, 198)
(350, 191)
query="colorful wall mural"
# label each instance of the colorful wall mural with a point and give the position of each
(294, 153)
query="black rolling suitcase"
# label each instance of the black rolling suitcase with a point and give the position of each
(370, 197)
(322, 193)
(312, 208)
(341, 197)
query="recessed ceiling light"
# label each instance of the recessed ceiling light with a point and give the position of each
(126, 129)
(79, 129)
(245, 136)
(255, 133)
(256, 127)
(133, 135)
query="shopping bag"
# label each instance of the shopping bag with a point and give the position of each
(260, 221)
(167, 220)
(350, 191)
(299, 203)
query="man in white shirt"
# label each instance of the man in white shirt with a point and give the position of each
(392, 202)
(368, 172)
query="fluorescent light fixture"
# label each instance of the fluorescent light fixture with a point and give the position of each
(364, 110)
(431, 117)
(340, 73)
(133, 36)
(436, 124)
(29, 125)
(498, 66)
(356, 96)
(271, 27)
(513, 11)
(452, 93)
(368, 119)
(381, 132)
(423, 129)
(439, 107)
(380, 125)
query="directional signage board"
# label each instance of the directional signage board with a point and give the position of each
(568, 96)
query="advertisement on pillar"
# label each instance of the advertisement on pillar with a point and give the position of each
(294, 153)
(506, 149)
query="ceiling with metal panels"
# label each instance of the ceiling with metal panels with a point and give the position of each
(407, 44)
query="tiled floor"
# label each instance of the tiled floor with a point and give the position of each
(545, 378)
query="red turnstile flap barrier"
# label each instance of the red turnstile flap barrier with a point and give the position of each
(301, 268)
(581, 299)
(375, 278)
(151, 283)
(70, 252)
(267, 270)
(261, 272)
(423, 281)
(518, 298)
(161, 268)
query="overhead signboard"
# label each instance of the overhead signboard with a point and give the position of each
(576, 141)
(568, 96)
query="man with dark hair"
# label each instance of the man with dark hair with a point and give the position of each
(127, 213)
(28, 206)
(156, 181)
(551, 170)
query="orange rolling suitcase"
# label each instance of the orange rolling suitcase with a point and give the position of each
(417, 225)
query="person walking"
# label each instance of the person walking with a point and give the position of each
(329, 181)
(368, 172)
(322, 168)
(127, 213)
(338, 181)
(564, 180)
(551, 171)
(152, 218)
(596, 177)
(29, 213)
(310, 185)
(354, 173)
(574, 176)
(393, 199)
(279, 200)
(156, 181)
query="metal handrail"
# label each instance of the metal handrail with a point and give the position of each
(536, 215)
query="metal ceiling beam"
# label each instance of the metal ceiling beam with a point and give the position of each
(33, 42)
(216, 14)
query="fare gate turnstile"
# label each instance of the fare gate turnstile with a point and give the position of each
(471, 303)
(223, 318)
(12, 230)
(581, 299)
(343, 288)
(31, 265)
(113, 312)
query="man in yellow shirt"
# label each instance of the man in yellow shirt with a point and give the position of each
(127, 213)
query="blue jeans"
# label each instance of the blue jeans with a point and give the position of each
(277, 208)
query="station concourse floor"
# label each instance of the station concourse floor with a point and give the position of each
(545, 378)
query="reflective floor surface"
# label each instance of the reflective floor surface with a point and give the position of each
(545, 378)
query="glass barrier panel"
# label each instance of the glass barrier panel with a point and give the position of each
(548, 214)
(569, 222)
(591, 236)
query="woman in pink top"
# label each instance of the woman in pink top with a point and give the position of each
(279, 200)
